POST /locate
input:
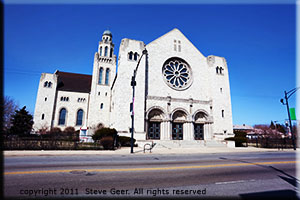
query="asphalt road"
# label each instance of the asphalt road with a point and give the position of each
(241, 175)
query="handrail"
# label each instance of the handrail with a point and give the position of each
(150, 147)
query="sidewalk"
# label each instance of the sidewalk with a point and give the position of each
(139, 151)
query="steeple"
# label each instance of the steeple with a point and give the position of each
(106, 47)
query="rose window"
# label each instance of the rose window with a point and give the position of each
(177, 74)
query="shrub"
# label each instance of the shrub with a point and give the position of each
(239, 141)
(238, 133)
(239, 138)
(55, 130)
(70, 134)
(125, 141)
(107, 142)
(104, 132)
(43, 130)
(69, 129)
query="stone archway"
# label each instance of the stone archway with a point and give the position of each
(200, 118)
(154, 120)
(179, 117)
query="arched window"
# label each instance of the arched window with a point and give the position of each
(46, 84)
(107, 76)
(101, 106)
(100, 51)
(105, 51)
(79, 117)
(43, 116)
(62, 116)
(111, 52)
(100, 75)
(136, 56)
(61, 98)
(49, 84)
(130, 55)
(217, 70)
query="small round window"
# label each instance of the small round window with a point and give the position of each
(177, 73)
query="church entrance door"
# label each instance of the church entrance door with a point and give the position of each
(177, 131)
(154, 130)
(198, 132)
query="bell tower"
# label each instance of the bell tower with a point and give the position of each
(106, 47)
(104, 71)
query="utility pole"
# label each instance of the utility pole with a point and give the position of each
(287, 95)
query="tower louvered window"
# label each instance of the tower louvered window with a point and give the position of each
(107, 77)
(100, 75)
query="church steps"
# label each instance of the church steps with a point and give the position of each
(181, 143)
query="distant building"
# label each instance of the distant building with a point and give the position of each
(180, 93)
(246, 128)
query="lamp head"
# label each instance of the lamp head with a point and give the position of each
(281, 100)
(145, 51)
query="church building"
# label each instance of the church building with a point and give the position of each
(180, 95)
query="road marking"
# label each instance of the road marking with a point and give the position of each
(230, 182)
(151, 169)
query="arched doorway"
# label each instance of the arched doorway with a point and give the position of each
(178, 119)
(155, 118)
(200, 119)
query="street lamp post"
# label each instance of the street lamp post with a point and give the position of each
(275, 122)
(133, 84)
(287, 95)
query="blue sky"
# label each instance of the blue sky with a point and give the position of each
(257, 40)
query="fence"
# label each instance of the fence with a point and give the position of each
(47, 144)
(270, 142)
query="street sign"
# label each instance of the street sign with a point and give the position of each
(293, 114)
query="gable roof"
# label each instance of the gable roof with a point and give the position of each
(242, 127)
(73, 82)
(176, 31)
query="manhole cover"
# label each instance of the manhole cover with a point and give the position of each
(78, 172)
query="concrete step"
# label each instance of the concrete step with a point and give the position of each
(215, 143)
(170, 144)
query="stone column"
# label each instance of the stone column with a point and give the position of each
(207, 132)
(163, 130)
(187, 131)
(192, 130)
(169, 130)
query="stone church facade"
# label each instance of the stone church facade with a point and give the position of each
(180, 94)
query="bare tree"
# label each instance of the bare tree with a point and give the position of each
(10, 106)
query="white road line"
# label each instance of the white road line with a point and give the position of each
(231, 182)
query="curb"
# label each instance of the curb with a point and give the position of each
(139, 151)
